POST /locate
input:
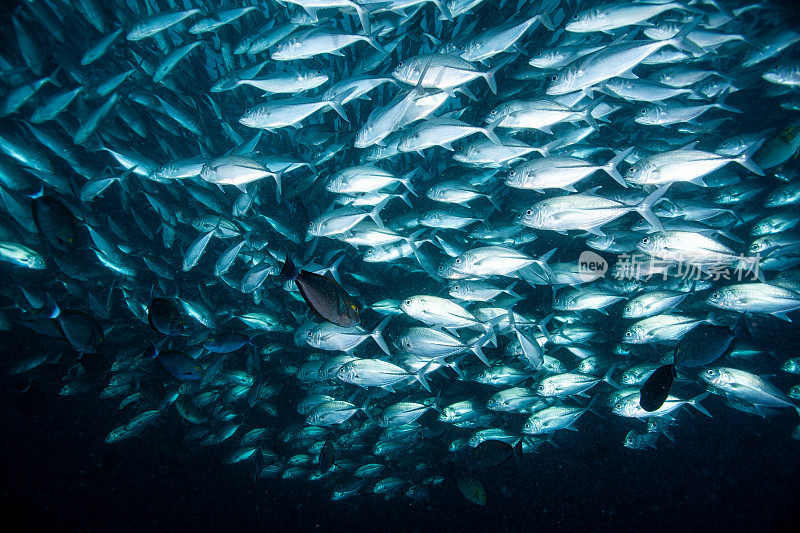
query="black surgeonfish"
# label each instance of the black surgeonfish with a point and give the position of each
(323, 295)
(702, 346)
(656, 389)
(164, 316)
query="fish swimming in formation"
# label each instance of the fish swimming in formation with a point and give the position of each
(547, 209)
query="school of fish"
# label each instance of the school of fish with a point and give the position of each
(504, 216)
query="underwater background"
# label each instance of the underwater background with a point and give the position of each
(158, 170)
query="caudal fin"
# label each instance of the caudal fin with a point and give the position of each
(695, 402)
(490, 134)
(611, 166)
(645, 207)
(289, 271)
(377, 334)
(746, 160)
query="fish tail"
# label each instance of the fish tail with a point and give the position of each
(746, 160)
(695, 402)
(406, 181)
(405, 199)
(339, 108)
(542, 263)
(611, 166)
(476, 346)
(645, 207)
(608, 374)
(545, 20)
(420, 376)
(376, 212)
(289, 271)
(377, 334)
(490, 134)
(423, 260)
(443, 10)
(586, 113)
(681, 42)
(591, 407)
(363, 17)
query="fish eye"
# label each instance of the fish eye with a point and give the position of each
(709, 372)
(458, 261)
(628, 333)
(715, 296)
(554, 78)
(512, 173)
(407, 302)
(529, 212)
(455, 287)
(400, 65)
(646, 240)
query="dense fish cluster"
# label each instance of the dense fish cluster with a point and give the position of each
(381, 244)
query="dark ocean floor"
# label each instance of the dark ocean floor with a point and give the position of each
(732, 472)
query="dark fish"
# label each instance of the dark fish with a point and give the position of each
(180, 365)
(95, 364)
(323, 295)
(55, 222)
(326, 457)
(164, 316)
(152, 389)
(81, 330)
(225, 343)
(704, 345)
(472, 489)
(491, 453)
(656, 389)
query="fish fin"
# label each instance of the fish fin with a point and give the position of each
(423, 380)
(289, 271)
(681, 42)
(476, 346)
(489, 77)
(611, 166)
(406, 181)
(375, 213)
(608, 374)
(363, 17)
(782, 316)
(645, 207)
(746, 160)
(695, 402)
(490, 134)
(377, 334)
